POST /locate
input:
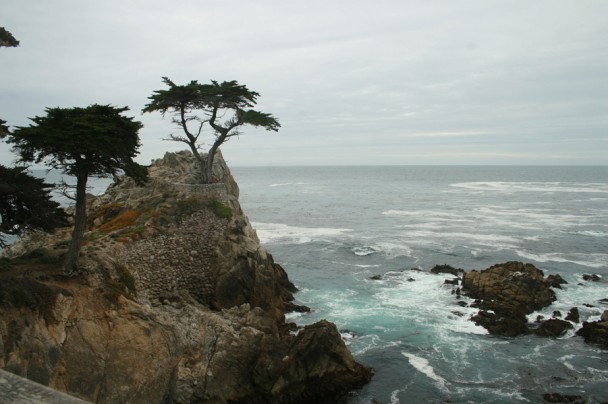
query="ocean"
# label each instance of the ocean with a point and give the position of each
(334, 228)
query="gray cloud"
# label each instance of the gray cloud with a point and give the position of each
(387, 82)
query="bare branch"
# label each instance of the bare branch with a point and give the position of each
(66, 190)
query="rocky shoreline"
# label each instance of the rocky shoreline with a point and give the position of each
(177, 302)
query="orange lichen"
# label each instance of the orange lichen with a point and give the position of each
(126, 219)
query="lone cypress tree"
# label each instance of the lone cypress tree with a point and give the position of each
(223, 106)
(83, 142)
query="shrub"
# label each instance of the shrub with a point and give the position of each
(37, 256)
(126, 278)
(188, 206)
(221, 210)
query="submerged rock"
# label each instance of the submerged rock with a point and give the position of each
(563, 398)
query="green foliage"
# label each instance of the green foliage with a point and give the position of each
(7, 39)
(25, 204)
(126, 278)
(92, 141)
(223, 106)
(3, 128)
(222, 211)
(188, 206)
(37, 256)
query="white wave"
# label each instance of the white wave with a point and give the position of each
(491, 240)
(283, 184)
(587, 260)
(273, 232)
(535, 216)
(592, 233)
(422, 213)
(393, 249)
(394, 399)
(510, 187)
(423, 366)
(363, 251)
(417, 297)
(291, 316)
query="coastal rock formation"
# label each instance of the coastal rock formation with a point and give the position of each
(506, 293)
(553, 327)
(446, 269)
(596, 332)
(177, 302)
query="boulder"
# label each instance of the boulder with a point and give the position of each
(591, 277)
(446, 269)
(316, 366)
(573, 315)
(509, 286)
(506, 325)
(511, 291)
(555, 281)
(595, 332)
(553, 327)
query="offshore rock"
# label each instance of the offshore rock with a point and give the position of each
(555, 281)
(177, 302)
(446, 269)
(573, 315)
(507, 293)
(596, 332)
(553, 327)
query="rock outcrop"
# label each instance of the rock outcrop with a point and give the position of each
(596, 332)
(177, 302)
(506, 293)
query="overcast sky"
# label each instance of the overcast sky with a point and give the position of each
(352, 82)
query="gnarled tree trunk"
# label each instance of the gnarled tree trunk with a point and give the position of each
(80, 222)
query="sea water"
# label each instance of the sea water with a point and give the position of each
(333, 228)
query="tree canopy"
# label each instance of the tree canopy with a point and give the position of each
(83, 142)
(96, 140)
(26, 204)
(7, 39)
(223, 106)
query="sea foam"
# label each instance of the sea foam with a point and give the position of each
(423, 366)
(272, 232)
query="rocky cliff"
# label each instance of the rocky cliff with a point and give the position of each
(177, 302)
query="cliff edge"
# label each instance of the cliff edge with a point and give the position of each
(177, 302)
